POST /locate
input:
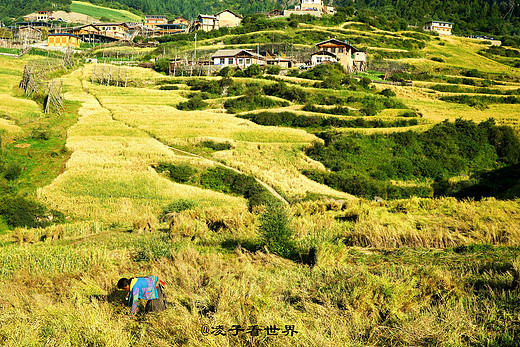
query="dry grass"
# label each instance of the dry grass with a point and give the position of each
(108, 176)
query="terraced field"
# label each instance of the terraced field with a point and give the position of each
(415, 271)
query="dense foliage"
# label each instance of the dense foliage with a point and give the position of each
(364, 164)
(15, 9)
(290, 119)
(469, 16)
(220, 179)
(252, 102)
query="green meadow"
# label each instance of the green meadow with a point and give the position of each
(104, 12)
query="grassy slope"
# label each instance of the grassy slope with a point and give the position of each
(41, 160)
(99, 11)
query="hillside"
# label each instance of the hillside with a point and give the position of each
(393, 230)
(471, 17)
(104, 13)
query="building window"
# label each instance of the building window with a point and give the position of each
(240, 61)
(248, 61)
(318, 60)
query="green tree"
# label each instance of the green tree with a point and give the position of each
(275, 230)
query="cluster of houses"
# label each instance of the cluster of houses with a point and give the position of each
(332, 51)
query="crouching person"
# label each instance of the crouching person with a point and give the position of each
(147, 288)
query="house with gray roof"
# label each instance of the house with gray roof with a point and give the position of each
(237, 57)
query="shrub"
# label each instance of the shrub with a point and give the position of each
(226, 71)
(472, 73)
(437, 59)
(168, 87)
(195, 103)
(19, 211)
(179, 173)
(275, 230)
(253, 70)
(273, 70)
(216, 146)
(162, 65)
(281, 90)
(12, 171)
(359, 164)
(179, 206)
(252, 102)
(387, 92)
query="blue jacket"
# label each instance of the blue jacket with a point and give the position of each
(142, 288)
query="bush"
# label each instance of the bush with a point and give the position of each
(216, 146)
(195, 103)
(273, 70)
(19, 211)
(11, 171)
(359, 164)
(226, 71)
(387, 92)
(253, 70)
(179, 173)
(252, 102)
(275, 230)
(162, 65)
(168, 87)
(281, 90)
(179, 206)
(290, 119)
(437, 59)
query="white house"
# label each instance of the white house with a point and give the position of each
(333, 50)
(312, 7)
(237, 57)
(208, 22)
(443, 28)
(228, 18)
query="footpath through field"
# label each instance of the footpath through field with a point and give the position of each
(109, 176)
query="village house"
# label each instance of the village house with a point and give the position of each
(228, 18)
(94, 33)
(284, 63)
(63, 40)
(237, 57)
(39, 16)
(207, 22)
(179, 21)
(170, 28)
(30, 34)
(443, 28)
(334, 50)
(38, 25)
(116, 30)
(315, 8)
(79, 30)
(274, 13)
(154, 20)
